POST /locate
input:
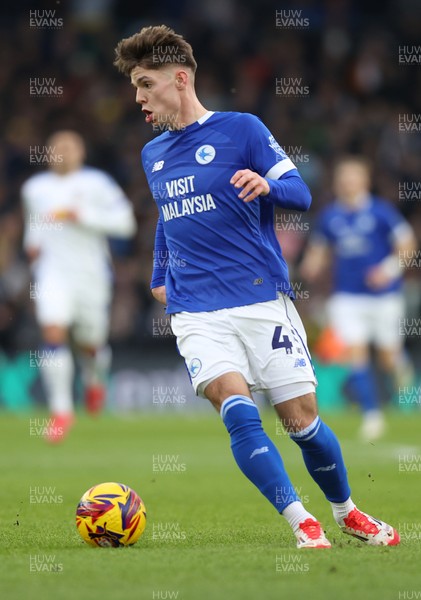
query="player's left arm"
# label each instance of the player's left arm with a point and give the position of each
(111, 213)
(32, 235)
(271, 173)
(160, 264)
(403, 243)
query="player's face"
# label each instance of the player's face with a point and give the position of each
(157, 93)
(69, 150)
(350, 180)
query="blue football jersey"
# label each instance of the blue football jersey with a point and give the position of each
(222, 252)
(360, 239)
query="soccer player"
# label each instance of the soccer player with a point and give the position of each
(216, 177)
(365, 236)
(69, 212)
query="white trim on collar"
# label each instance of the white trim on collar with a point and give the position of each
(205, 117)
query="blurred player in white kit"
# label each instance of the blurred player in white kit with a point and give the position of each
(69, 212)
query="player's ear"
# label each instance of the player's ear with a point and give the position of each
(181, 79)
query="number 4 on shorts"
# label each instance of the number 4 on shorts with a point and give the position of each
(278, 343)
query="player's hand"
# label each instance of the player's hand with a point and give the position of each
(377, 278)
(160, 294)
(307, 271)
(64, 215)
(33, 254)
(252, 183)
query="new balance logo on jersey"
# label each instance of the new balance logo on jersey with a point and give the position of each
(259, 451)
(328, 468)
(299, 362)
(157, 166)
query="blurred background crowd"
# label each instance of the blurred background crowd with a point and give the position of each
(351, 90)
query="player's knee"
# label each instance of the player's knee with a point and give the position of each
(357, 356)
(88, 349)
(306, 416)
(54, 335)
(298, 413)
(221, 388)
(388, 360)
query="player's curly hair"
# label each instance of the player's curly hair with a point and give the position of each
(153, 48)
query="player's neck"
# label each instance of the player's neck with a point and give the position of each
(189, 114)
(357, 201)
(62, 172)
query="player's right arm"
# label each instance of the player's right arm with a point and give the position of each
(403, 243)
(31, 236)
(316, 260)
(160, 264)
(318, 254)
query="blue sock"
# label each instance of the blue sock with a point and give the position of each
(323, 459)
(255, 454)
(362, 385)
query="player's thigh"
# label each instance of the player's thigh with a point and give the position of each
(386, 314)
(54, 302)
(349, 316)
(276, 344)
(92, 318)
(209, 347)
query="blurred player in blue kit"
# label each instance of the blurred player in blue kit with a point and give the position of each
(365, 236)
(216, 178)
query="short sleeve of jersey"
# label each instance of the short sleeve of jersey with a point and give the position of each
(264, 154)
(396, 225)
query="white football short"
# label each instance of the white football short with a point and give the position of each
(80, 302)
(363, 319)
(265, 342)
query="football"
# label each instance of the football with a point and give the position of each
(110, 515)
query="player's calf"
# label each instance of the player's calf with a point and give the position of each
(259, 459)
(95, 365)
(323, 458)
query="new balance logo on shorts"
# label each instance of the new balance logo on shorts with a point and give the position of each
(328, 468)
(259, 451)
(299, 362)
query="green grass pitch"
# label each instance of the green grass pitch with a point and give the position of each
(210, 534)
